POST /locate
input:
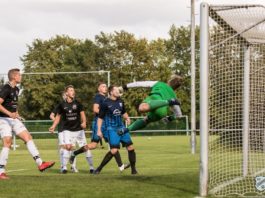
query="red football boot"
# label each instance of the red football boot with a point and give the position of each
(3, 176)
(45, 165)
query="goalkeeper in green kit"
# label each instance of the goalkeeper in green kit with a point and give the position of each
(161, 104)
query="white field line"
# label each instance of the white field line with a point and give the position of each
(18, 170)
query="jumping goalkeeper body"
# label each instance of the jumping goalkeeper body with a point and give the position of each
(160, 104)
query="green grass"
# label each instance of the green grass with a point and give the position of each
(166, 169)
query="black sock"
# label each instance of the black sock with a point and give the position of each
(132, 158)
(36, 157)
(100, 141)
(105, 160)
(118, 158)
(79, 151)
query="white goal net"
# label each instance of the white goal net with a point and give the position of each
(235, 116)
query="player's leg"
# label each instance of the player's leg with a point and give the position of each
(68, 141)
(127, 142)
(94, 141)
(154, 102)
(74, 142)
(117, 155)
(7, 141)
(106, 160)
(152, 116)
(114, 142)
(145, 107)
(21, 131)
(61, 149)
(81, 140)
(6, 135)
(101, 143)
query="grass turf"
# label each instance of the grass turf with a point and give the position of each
(166, 169)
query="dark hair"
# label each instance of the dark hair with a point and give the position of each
(67, 87)
(111, 87)
(175, 81)
(101, 83)
(11, 73)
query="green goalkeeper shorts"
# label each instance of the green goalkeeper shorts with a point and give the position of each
(158, 113)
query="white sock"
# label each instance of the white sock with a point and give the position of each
(34, 152)
(3, 158)
(89, 159)
(61, 156)
(66, 156)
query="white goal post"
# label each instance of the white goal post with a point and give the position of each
(232, 100)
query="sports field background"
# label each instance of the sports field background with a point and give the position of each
(166, 169)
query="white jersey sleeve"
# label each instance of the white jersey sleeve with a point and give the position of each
(141, 84)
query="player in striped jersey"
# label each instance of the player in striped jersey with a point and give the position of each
(113, 112)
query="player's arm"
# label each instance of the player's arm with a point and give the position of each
(99, 123)
(54, 112)
(140, 84)
(125, 115)
(95, 108)
(52, 116)
(101, 115)
(55, 123)
(83, 119)
(13, 115)
(127, 119)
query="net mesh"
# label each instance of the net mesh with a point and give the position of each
(234, 31)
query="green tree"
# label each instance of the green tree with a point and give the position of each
(59, 54)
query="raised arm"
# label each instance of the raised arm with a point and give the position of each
(141, 84)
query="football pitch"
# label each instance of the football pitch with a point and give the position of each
(166, 169)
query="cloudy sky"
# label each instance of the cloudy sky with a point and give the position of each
(22, 21)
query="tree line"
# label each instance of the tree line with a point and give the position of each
(127, 58)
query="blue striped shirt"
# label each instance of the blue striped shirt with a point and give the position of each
(112, 111)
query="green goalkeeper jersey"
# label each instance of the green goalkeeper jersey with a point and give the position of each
(164, 90)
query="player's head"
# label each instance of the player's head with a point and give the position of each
(102, 88)
(114, 91)
(175, 81)
(14, 75)
(70, 91)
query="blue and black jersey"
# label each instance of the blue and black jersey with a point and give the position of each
(111, 111)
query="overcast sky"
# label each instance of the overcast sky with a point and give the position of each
(22, 21)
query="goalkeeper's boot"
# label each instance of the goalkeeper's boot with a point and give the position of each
(124, 166)
(173, 101)
(3, 176)
(45, 165)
